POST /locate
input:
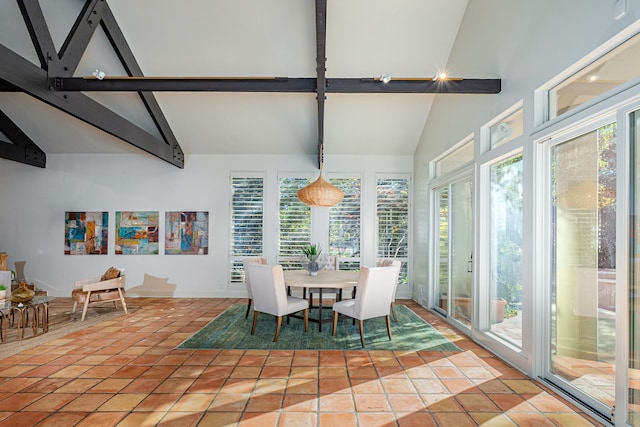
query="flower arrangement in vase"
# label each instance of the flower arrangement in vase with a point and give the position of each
(312, 260)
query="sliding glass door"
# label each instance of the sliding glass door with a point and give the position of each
(454, 204)
(582, 194)
(633, 366)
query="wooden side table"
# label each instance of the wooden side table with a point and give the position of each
(32, 314)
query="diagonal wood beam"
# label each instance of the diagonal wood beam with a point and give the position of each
(128, 60)
(20, 147)
(78, 38)
(19, 74)
(38, 30)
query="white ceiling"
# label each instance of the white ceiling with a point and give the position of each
(250, 38)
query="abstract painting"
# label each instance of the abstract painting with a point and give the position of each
(186, 233)
(137, 233)
(86, 233)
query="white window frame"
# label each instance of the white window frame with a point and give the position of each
(291, 175)
(433, 164)
(618, 103)
(407, 261)
(234, 258)
(359, 176)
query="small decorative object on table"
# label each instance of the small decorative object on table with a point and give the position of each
(3, 291)
(313, 259)
(22, 294)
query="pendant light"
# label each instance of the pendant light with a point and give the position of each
(320, 192)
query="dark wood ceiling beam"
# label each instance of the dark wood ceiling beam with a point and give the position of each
(184, 84)
(277, 84)
(19, 147)
(458, 86)
(21, 73)
(128, 60)
(321, 68)
(39, 31)
(78, 39)
(18, 74)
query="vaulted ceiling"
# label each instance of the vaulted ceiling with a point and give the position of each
(223, 76)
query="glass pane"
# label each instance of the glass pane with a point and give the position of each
(344, 221)
(583, 263)
(505, 255)
(461, 218)
(295, 222)
(393, 221)
(442, 196)
(611, 70)
(246, 222)
(508, 129)
(455, 159)
(634, 286)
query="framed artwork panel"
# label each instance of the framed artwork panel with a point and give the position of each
(137, 232)
(186, 233)
(86, 233)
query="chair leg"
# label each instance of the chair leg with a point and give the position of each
(335, 323)
(124, 304)
(75, 305)
(86, 305)
(278, 326)
(248, 308)
(361, 328)
(306, 320)
(388, 326)
(255, 321)
(393, 311)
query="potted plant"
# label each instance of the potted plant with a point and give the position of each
(311, 260)
(3, 291)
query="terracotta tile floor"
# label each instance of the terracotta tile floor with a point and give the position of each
(127, 372)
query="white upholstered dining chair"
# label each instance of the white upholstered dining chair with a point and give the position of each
(373, 298)
(245, 261)
(386, 262)
(270, 296)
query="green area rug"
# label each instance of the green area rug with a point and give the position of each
(230, 330)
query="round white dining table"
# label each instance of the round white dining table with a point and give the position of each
(324, 280)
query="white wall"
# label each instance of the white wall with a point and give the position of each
(35, 201)
(525, 43)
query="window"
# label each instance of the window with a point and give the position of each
(247, 212)
(582, 258)
(609, 71)
(295, 222)
(506, 130)
(633, 362)
(461, 155)
(505, 253)
(344, 224)
(392, 228)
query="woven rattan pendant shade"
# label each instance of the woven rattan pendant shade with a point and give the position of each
(320, 193)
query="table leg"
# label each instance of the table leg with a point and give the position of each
(20, 321)
(34, 323)
(43, 316)
(320, 311)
